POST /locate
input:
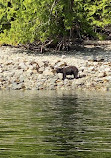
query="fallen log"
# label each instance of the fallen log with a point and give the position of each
(92, 42)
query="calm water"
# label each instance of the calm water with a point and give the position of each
(55, 124)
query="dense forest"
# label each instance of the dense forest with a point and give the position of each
(51, 22)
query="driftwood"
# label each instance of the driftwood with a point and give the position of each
(62, 45)
(91, 42)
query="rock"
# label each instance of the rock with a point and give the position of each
(22, 66)
(78, 82)
(46, 63)
(91, 68)
(108, 87)
(41, 64)
(16, 86)
(102, 74)
(107, 78)
(100, 59)
(60, 76)
(81, 69)
(47, 72)
(60, 64)
(1, 70)
(21, 79)
(30, 67)
(52, 87)
(29, 72)
(23, 71)
(59, 83)
(39, 86)
(9, 62)
(55, 77)
(39, 77)
(63, 56)
(66, 82)
(41, 70)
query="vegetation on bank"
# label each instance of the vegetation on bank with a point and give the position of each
(53, 22)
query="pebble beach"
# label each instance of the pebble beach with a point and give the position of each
(20, 70)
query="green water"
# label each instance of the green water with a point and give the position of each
(50, 124)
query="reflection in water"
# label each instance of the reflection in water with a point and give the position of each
(55, 125)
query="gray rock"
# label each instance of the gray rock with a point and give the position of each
(47, 72)
(60, 76)
(60, 64)
(78, 82)
(22, 66)
(21, 78)
(63, 56)
(102, 74)
(17, 86)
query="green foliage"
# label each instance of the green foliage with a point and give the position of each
(99, 12)
(25, 21)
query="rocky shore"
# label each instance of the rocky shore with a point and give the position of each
(23, 71)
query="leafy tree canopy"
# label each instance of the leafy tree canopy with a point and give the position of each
(26, 21)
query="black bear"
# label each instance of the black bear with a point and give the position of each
(69, 70)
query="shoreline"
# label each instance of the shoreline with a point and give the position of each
(23, 71)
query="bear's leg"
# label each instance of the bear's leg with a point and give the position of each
(64, 75)
(75, 75)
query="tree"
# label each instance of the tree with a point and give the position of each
(26, 21)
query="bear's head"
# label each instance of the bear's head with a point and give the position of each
(59, 70)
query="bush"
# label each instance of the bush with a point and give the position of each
(26, 21)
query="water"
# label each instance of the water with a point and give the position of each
(50, 124)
